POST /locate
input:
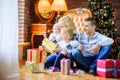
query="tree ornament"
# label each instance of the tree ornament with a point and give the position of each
(108, 2)
(92, 9)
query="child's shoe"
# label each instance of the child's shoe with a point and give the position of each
(53, 69)
(71, 71)
(80, 71)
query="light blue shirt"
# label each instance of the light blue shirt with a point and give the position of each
(69, 46)
(54, 37)
(89, 43)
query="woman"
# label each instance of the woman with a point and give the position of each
(64, 22)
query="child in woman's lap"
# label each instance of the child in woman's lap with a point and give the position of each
(65, 47)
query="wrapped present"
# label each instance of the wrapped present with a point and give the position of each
(33, 55)
(36, 56)
(108, 68)
(49, 45)
(65, 66)
(34, 67)
(105, 68)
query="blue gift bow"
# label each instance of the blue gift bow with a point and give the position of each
(115, 70)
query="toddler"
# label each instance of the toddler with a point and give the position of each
(54, 36)
(65, 47)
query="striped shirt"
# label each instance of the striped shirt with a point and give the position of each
(89, 43)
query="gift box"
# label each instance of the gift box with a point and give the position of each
(34, 67)
(65, 66)
(49, 45)
(105, 68)
(108, 68)
(36, 55)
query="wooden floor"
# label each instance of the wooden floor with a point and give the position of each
(55, 76)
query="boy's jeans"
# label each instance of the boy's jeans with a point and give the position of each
(87, 63)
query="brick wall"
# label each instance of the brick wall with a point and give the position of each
(26, 18)
(76, 3)
(21, 6)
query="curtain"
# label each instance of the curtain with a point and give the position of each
(9, 66)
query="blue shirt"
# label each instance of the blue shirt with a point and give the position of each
(69, 46)
(54, 37)
(89, 43)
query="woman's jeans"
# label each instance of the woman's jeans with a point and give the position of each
(87, 63)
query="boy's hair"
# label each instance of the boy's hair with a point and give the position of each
(56, 25)
(67, 22)
(69, 32)
(92, 21)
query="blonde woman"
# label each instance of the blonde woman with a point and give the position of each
(66, 22)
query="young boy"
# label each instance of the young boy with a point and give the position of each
(54, 36)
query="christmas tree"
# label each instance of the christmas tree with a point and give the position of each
(104, 14)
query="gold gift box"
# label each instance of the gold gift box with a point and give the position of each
(36, 55)
(49, 45)
(34, 67)
(33, 55)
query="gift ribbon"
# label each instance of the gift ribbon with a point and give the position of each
(40, 55)
(63, 64)
(30, 55)
(115, 70)
(104, 70)
(118, 70)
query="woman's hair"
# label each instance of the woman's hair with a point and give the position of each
(68, 32)
(67, 22)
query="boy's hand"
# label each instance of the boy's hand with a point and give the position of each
(81, 47)
(96, 48)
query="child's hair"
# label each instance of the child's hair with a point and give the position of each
(67, 22)
(68, 32)
(56, 25)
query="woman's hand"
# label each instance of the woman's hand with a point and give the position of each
(64, 52)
